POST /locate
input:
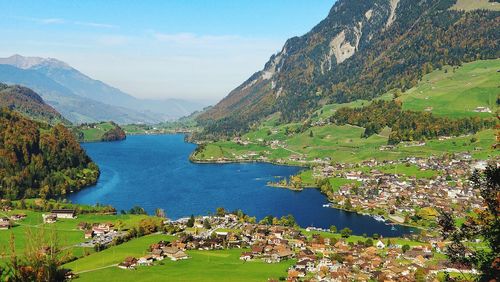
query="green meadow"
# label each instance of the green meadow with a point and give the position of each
(65, 230)
(95, 134)
(201, 266)
(457, 92)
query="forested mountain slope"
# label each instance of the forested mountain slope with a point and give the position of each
(29, 103)
(360, 51)
(39, 160)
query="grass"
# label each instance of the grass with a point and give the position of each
(456, 93)
(329, 109)
(66, 229)
(136, 248)
(411, 170)
(201, 266)
(344, 144)
(469, 5)
(95, 134)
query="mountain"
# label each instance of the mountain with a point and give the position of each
(360, 51)
(75, 108)
(28, 103)
(39, 160)
(83, 99)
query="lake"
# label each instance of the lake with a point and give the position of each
(153, 171)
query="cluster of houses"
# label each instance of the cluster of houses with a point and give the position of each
(100, 234)
(157, 252)
(332, 260)
(325, 258)
(6, 222)
(398, 194)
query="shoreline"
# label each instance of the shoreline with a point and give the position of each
(333, 205)
(302, 166)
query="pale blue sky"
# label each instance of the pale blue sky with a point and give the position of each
(196, 49)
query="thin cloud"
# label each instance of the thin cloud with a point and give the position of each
(41, 20)
(51, 21)
(97, 25)
(48, 21)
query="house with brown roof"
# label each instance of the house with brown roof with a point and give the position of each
(4, 223)
(128, 263)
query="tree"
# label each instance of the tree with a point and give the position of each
(137, 210)
(190, 222)
(405, 248)
(369, 242)
(41, 261)
(160, 213)
(311, 134)
(206, 224)
(220, 211)
(420, 275)
(333, 228)
(149, 225)
(348, 204)
(346, 232)
(486, 224)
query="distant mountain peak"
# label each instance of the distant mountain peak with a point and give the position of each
(22, 62)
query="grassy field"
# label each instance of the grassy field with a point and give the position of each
(344, 144)
(457, 93)
(468, 5)
(201, 266)
(328, 110)
(95, 134)
(134, 129)
(66, 229)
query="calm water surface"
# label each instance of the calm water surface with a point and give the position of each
(154, 172)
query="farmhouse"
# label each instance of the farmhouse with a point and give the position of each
(49, 218)
(64, 213)
(482, 110)
(128, 263)
(4, 223)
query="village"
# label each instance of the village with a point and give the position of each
(402, 198)
(320, 256)
(313, 253)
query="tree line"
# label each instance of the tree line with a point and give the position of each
(407, 125)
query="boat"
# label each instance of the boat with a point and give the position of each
(379, 218)
(327, 205)
(393, 228)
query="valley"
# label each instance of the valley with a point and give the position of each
(367, 148)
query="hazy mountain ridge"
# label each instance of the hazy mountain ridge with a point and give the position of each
(360, 51)
(83, 99)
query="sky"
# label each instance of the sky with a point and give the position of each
(187, 49)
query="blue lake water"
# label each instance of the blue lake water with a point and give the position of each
(154, 172)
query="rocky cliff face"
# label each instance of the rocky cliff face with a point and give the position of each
(361, 50)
